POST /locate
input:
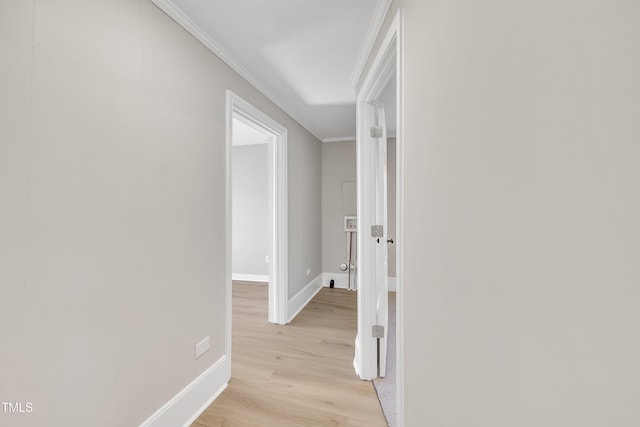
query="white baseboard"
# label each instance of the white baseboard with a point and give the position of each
(358, 355)
(302, 298)
(188, 404)
(341, 280)
(250, 277)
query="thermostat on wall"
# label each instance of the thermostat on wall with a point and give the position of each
(350, 223)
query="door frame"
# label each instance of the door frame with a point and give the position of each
(240, 109)
(388, 60)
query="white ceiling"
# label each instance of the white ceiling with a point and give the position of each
(303, 54)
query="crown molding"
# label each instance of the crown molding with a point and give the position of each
(175, 13)
(372, 34)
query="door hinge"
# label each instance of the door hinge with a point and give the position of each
(377, 231)
(376, 131)
(377, 331)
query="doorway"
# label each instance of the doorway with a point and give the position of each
(251, 232)
(374, 236)
(250, 120)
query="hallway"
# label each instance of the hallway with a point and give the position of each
(295, 375)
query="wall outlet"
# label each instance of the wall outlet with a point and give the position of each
(202, 347)
(308, 271)
(266, 259)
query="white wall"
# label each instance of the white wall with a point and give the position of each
(251, 222)
(112, 173)
(522, 192)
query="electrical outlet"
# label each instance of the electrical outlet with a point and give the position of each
(308, 271)
(266, 259)
(202, 347)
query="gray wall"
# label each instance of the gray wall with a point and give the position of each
(112, 182)
(304, 208)
(522, 199)
(251, 222)
(338, 169)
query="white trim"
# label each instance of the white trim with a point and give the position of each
(365, 350)
(279, 264)
(341, 280)
(340, 139)
(175, 13)
(302, 298)
(228, 291)
(278, 206)
(186, 406)
(382, 68)
(379, 73)
(250, 277)
(400, 414)
(356, 360)
(372, 34)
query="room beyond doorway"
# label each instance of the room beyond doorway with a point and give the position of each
(250, 184)
(252, 124)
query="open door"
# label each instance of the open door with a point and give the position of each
(379, 233)
(371, 144)
(371, 343)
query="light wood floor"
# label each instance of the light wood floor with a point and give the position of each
(295, 375)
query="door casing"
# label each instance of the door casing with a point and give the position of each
(388, 60)
(278, 252)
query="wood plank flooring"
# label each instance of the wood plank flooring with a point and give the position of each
(295, 375)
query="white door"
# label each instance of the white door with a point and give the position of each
(379, 141)
(371, 343)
